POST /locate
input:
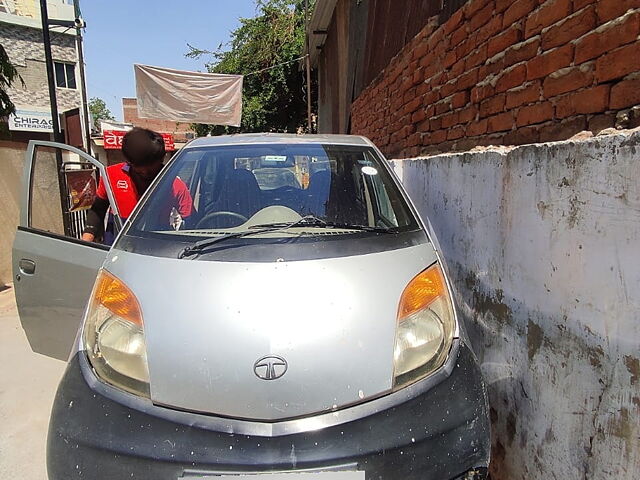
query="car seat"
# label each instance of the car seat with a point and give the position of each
(317, 193)
(239, 194)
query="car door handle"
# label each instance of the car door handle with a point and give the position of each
(28, 267)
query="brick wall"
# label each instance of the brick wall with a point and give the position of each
(506, 72)
(182, 132)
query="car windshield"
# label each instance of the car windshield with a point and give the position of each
(225, 190)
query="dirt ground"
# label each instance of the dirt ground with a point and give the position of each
(28, 383)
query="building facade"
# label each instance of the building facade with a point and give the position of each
(22, 38)
(181, 132)
(107, 147)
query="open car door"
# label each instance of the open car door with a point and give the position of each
(53, 268)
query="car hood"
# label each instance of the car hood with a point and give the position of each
(207, 325)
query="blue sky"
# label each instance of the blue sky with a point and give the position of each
(120, 33)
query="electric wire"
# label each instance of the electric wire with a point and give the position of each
(277, 65)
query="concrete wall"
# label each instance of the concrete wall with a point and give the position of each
(543, 244)
(11, 165)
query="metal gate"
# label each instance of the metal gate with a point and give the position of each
(81, 180)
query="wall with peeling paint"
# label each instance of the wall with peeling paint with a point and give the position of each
(543, 245)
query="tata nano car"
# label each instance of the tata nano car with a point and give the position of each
(304, 329)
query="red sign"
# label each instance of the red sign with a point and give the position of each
(169, 146)
(113, 140)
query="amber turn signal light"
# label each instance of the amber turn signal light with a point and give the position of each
(425, 288)
(114, 295)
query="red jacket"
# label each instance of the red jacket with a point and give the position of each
(127, 196)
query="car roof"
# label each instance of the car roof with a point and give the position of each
(267, 138)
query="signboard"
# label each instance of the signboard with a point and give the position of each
(169, 145)
(31, 120)
(81, 185)
(113, 140)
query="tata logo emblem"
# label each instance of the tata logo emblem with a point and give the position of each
(270, 367)
(122, 184)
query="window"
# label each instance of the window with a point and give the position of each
(65, 75)
(46, 212)
(45, 208)
(229, 185)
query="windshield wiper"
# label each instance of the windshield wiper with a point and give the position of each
(364, 228)
(199, 246)
(312, 221)
(307, 221)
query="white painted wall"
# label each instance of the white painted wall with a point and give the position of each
(543, 245)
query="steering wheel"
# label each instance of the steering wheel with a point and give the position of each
(222, 213)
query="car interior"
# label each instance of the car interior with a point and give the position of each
(229, 186)
(228, 191)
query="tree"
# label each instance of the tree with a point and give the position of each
(99, 111)
(266, 49)
(8, 75)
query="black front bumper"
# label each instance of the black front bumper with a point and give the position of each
(440, 434)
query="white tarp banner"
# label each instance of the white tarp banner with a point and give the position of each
(190, 97)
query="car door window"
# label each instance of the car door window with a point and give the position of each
(46, 201)
(62, 189)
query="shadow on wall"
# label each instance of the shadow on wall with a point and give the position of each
(557, 398)
(541, 244)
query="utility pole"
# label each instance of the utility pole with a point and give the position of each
(83, 83)
(308, 63)
(57, 134)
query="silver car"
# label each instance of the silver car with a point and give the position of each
(304, 331)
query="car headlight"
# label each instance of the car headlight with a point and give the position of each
(114, 336)
(425, 328)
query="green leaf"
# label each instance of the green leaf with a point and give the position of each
(99, 111)
(264, 49)
(8, 75)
